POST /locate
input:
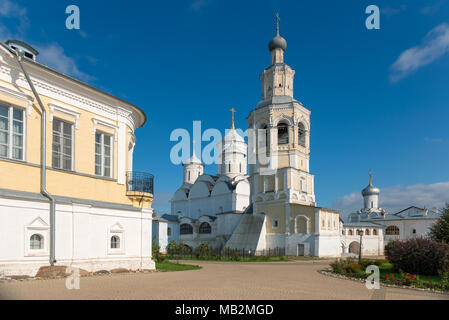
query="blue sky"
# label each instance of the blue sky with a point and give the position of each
(379, 98)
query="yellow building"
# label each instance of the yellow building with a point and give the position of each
(102, 216)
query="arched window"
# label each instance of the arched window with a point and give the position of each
(358, 232)
(282, 133)
(264, 133)
(301, 134)
(414, 231)
(392, 230)
(205, 228)
(240, 167)
(343, 232)
(374, 232)
(186, 229)
(115, 242)
(36, 242)
(168, 231)
(350, 233)
(367, 233)
(189, 174)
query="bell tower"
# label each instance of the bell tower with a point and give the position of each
(280, 174)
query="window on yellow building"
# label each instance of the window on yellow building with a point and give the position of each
(103, 154)
(12, 132)
(62, 145)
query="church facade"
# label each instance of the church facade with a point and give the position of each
(209, 207)
(274, 206)
(280, 187)
(375, 227)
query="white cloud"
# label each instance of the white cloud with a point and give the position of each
(397, 198)
(434, 46)
(12, 10)
(429, 10)
(54, 56)
(50, 54)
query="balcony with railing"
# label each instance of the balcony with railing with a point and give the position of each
(140, 187)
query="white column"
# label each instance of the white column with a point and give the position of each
(121, 153)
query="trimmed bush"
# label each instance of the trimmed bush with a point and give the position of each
(418, 256)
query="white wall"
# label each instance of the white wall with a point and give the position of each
(82, 237)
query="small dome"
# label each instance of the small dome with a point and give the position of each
(370, 191)
(233, 136)
(193, 160)
(277, 43)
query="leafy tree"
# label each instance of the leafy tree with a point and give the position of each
(440, 230)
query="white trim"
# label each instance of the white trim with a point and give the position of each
(42, 230)
(98, 121)
(65, 110)
(20, 96)
(116, 230)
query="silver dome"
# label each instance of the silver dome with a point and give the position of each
(277, 43)
(370, 191)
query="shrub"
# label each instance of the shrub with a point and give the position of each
(203, 250)
(421, 256)
(440, 230)
(172, 248)
(156, 249)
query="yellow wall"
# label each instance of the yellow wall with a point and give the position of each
(26, 176)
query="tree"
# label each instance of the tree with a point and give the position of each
(440, 230)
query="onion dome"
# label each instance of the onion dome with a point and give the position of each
(277, 43)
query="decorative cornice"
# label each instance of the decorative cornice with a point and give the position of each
(98, 121)
(66, 110)
(18, 95)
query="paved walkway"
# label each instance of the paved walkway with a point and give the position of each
(261, 281)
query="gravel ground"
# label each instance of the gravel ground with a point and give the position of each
(298, 280)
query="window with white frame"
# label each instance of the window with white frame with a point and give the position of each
(115, 242)
(36, 242)
(103, 154)
(275, 224)
(62, 145)
(12, 124)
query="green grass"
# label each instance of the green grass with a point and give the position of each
(170, 266)
(229, 259)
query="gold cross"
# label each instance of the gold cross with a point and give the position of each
(370, 176)
(233, 112)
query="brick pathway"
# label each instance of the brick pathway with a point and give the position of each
(264, 281)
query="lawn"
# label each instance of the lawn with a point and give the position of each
(231, 259)
(170, 266)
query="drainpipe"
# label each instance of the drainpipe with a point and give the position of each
(44, 191)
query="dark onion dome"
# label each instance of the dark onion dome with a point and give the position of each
(277, 43)
(370, 191)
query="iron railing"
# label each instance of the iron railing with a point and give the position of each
(139, 182)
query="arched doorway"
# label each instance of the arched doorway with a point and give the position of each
(354, 247)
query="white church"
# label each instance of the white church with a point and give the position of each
(274, 206)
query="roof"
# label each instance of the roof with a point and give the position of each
(47, 68)
(170, 217)
(363, 224)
